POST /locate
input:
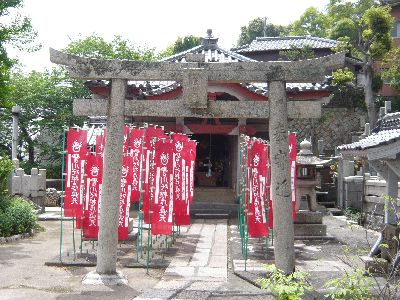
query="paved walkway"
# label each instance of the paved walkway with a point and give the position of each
(202, 257)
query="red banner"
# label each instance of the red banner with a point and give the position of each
(181, 156)
(162, 198)
(94, 178)
(75, 165)
(101, 143)
(292, 155)
(124, 198)
(192, 147)
(136, 149)
(150, 133)
(257, 221)
(126, 141)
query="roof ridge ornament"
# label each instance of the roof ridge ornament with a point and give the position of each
(209, 41)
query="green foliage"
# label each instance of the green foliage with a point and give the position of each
(311, 22)
(352, 214)
(182, 44)
(94, 46)
(15, 31)
(342, 76)
(6, 167)
(258, 28)
(46, 100)
(380, 102)
(16, 216)
(365, 29)
(285, 287)
(295, 53)
(354, 285)
(392, 72)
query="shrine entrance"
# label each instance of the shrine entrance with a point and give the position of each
(215, 168)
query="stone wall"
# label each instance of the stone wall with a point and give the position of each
(337, 126)
(372, 204)
(31, 186)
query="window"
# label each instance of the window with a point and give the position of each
(396, 29)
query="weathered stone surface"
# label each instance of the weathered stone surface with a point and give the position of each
(280, 183)
(85, 68)
(108, 232)
(215, 109)
(308, 217)
(310, 230)
(195, 88)
(93, 278)
(390, 238)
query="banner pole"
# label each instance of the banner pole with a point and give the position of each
(62, 190)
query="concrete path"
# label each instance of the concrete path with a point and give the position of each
(199, 268)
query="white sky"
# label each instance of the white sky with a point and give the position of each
(154, 23)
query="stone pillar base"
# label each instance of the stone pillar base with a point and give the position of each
(93, 278)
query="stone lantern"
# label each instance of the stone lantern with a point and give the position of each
(307, 175)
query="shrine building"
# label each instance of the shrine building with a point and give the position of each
(217, 160)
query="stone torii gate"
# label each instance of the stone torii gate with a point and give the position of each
(194, 75)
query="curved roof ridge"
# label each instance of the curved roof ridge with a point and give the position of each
(182, 54)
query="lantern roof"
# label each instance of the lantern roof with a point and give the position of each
(306, 156)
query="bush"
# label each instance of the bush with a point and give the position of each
(285, 287)
(6, 167)
(16, 216)
(354, 285)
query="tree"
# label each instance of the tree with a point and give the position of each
(15, 31)
(94, 46)
(258, 28)
(46, 101)
(365, 29)
(311, 22)
(182, 44)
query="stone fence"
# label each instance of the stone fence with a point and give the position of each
(31, 186)
(366, 195)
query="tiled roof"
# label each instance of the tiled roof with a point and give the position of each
(211, 55)
(286, 43)
(387, 132)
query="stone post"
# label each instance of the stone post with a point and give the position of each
(392, 192)
(109, 207)
(15, 115)
(280, 183)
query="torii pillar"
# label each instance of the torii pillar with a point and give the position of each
(194, 76)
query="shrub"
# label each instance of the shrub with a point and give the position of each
(285, 287)
(16, 216)
(354, 285)
(6, 167)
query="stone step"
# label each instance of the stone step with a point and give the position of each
(328, 204)
(335, 211)
(211, 216)
(308, 217)
(310, 230)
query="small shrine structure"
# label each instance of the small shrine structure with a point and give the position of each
(307, 175)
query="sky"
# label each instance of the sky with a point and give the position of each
(151, 23)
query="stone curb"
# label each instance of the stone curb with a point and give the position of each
(14, 238)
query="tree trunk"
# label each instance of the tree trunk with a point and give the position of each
(369, 94)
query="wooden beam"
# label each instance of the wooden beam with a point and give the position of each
(215, 109)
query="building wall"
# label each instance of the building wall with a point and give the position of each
(371, 201)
